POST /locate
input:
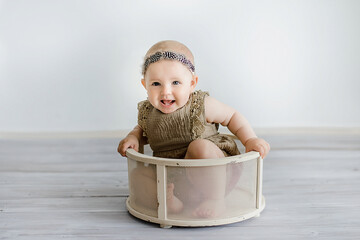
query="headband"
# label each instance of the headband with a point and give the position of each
(167, 56)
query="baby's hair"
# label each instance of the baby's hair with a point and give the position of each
(172, 46)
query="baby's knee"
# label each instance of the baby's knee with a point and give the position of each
(203, 149)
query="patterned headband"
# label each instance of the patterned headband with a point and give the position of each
(170, 56)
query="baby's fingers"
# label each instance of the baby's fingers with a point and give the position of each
(264, 150)
(261, 150)
(123, 146)
(122, 150)
(119, 148)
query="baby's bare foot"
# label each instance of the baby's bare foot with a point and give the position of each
(210, 208)
(174, 205)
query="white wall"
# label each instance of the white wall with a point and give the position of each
(75, 65)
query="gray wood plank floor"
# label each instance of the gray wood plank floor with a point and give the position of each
(76, 189)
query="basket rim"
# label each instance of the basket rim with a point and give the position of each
(134, 155)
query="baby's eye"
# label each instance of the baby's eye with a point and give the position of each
(176, 82)
(155, 84)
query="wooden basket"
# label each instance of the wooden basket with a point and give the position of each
(243, 201)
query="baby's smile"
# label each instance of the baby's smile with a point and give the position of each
(167, 102)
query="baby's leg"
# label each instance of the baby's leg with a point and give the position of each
(173, 204)
(143, 185)
(144, 182)
(210, 181)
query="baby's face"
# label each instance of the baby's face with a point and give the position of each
(169, 85)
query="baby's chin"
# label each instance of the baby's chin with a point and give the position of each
(167, 111)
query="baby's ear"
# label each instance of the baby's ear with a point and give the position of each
(194, 82)
(143, 83)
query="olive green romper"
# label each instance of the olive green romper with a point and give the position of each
(169, 135)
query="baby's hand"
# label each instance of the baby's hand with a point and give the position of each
(258, 145)
(129, 142)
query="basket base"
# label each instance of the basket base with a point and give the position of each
(201, 222)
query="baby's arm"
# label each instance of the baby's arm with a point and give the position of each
(132, 140)
(217, 112)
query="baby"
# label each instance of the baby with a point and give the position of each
(179, 122)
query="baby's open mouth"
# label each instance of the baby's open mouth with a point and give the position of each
(167, 102)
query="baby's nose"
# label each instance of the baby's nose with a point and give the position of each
(166, 90)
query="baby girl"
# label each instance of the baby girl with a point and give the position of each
(179, 122)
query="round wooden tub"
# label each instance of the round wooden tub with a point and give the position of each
(243, 198)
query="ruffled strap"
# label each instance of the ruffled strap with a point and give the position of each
(144, 109)
(197, 113)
